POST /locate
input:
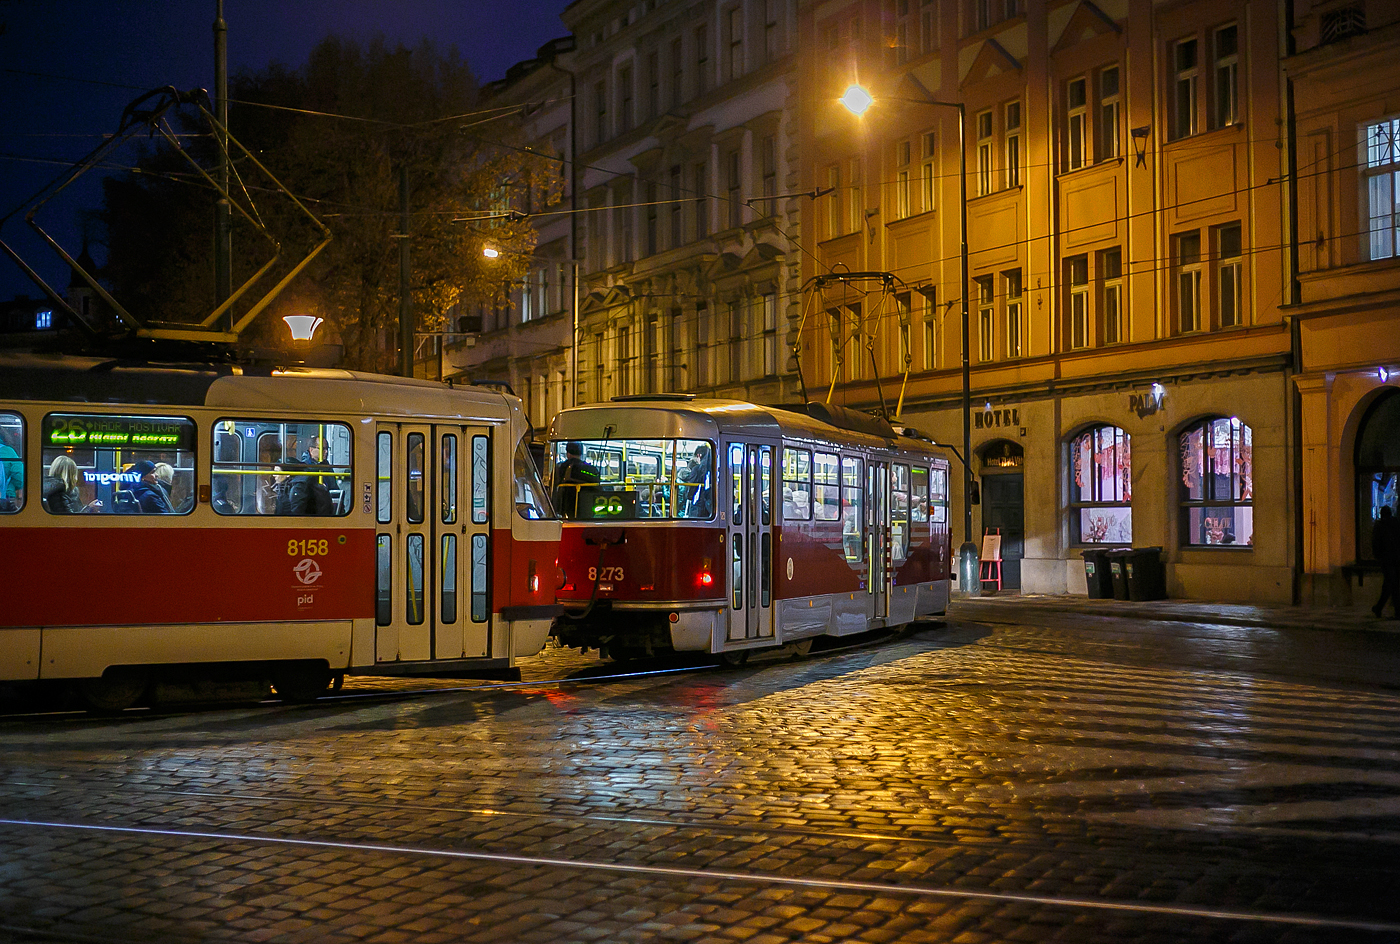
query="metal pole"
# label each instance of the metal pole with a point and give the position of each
(405, 298)
(968, 567)
(223, 241)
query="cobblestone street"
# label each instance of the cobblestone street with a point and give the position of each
(1010, 776)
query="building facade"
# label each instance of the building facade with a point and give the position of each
(1129, 354)
(1344, 78)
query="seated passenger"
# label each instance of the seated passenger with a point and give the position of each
(61, 489)
(150, 497)
(222, 504)
(301, 494)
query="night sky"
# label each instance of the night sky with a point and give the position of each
(95, 56)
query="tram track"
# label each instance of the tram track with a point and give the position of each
(1261, 917)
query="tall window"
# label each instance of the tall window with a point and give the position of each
(653, 224)
(1217, 476)
(653, 83)
(702, 59)
(624, 81)
(736, 42)
(1188, 281)
(625, 214)
(1013, 144)
(986, 318)
(1111, 272)
(702, 202)
(901, 179)
(674, 210)
(928, 177)
(772, 42)
(737, 367)
(1227, 76)
(599, 368)
(1108, 113)
(984, 153)
(677, 73)
(833, 206)
(900, 47)
(704, 334)
(678, 348)
(1013, 313)
(770, 334)
(1186, 68)
(600, 112)
(1076, 123)
(732, 189)
(1381, 173)
(928, 26)
(1077, 270)
(1101, 487)
(651, 345)
(930, 332)
(1229, 276)
(624, 360)
(770, 174)
(857, 201)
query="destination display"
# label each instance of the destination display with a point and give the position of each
(114, 432)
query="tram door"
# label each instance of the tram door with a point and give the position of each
(877, 515)
(433, 534)
(750, 540)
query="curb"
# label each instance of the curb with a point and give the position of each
(1169, 616)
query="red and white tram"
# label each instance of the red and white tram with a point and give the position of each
(723, 527)
(177, 521)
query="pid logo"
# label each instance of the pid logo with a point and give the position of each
(308, 571)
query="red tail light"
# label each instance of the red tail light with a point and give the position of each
(706, 578)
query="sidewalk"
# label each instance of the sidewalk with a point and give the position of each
(1356, 618)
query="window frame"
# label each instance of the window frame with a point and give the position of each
(1206, 426)
(1119, 442)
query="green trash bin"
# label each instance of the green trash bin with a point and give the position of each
(1097, 574)
(1147, 579)
(1117, 565)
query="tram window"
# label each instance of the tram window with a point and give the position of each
(736, 472)
(918, 507)
(765, 570)
(11, 463)
(736, 571)
(448, 579)
(384, 477)
(765, 483)
(118, 464)
(797, 484)
(280, 467)
(480, 612)
(383, 577)
(413, 498)
(531, 500)
(449, 479)
(938, 495)
(481, 470)
(626, 479)
(826, 487)
(899, 511)
(852, 512)
(413, 592)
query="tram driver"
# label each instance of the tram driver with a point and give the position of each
(569, 474)
(700, 473)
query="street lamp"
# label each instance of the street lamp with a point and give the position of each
(857, 101)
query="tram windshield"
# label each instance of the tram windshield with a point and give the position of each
(531, 499)
(632, 479)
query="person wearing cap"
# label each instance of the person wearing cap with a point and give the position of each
(575, 470)
(150, 497)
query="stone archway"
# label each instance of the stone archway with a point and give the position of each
(1377, 465)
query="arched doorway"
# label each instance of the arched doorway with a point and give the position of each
(1003, 503)
(1377, 467)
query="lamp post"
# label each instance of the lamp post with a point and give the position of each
(857, 100)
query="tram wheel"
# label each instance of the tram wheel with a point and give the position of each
(799, 648)
(301, 684)
(734, 657)
(114, 691)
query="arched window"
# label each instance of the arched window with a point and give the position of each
(1101, 486)
(1217, 477)
(1377, 468)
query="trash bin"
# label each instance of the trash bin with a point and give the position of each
(1147, 579)
(1117, 564)
(1097, 574)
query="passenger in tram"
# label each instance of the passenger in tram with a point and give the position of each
(61, 489)
(569, 474)
(11, 471)
(150, 497)
(221, 503)
(300, 494)
(700, 473)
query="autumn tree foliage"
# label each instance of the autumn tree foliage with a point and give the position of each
(338, 133)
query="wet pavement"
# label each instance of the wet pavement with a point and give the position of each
(1026, 772)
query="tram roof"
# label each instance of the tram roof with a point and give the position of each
(697, 418)
(94, 379)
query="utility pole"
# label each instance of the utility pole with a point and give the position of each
(405, 296)
(223, 241)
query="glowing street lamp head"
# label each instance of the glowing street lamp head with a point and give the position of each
(857, 100)
(490, 252)
(303, 326)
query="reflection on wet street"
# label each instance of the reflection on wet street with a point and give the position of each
(1067, 777)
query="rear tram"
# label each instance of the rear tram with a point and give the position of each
(163, 523)
(724, 527)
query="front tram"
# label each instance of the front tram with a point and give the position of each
(167, 523)
(724, 527)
